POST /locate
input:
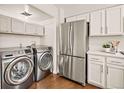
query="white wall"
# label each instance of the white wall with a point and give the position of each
(52, 27)
(15, 40)
(95, 43)
(50, 39)
(61, 20)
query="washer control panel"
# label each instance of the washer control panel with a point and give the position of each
(20, 52)
(15, 53)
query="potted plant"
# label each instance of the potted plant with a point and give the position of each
(106, 47)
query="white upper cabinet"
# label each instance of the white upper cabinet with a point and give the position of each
(18, 26)
(40, 30)
(30, 28)
(10, 25)
(83, 17)
(78, 17)
(106, 22)
(70, 19)
(34, 29)
(113, 21)
(97, 23)
(5, 24)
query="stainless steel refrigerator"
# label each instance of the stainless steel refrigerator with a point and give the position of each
(73, 47)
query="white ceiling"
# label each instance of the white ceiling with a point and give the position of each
(74, 9)
(15, 10)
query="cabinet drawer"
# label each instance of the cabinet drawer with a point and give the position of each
(116, 61)
(96, 58)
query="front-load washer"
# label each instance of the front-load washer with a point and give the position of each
(43, 61)
(17, 68)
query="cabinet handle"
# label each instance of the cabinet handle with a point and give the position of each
(106, 30)
(107, 70)
(94, 59)
(115, 62)
(101, 73)
(101, 30)
(44, 31)
(102, 68)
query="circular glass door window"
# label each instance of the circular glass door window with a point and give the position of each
(45, 61)
(19, 70)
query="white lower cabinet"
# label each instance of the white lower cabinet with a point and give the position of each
(96, 74)
(96, 70)
(108, 73)
(115, 73)
(115, 76)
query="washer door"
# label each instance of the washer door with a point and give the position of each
(45, 61)
(19, 70)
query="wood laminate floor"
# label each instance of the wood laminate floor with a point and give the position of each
(56, 82)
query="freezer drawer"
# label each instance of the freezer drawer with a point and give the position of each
(78, 70)
(0, 71)
(65, 66)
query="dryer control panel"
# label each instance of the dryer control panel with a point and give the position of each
(28, 51)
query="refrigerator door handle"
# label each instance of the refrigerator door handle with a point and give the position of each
(60, 41)
(71, 35)
(67, 50)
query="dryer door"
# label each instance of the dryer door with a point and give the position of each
(19, 70)
(45, 61)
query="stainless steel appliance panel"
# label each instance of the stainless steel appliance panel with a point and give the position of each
(61, 65)
(0, 71)
(73, 41)
(43, 59)
(16, 68)
(65, 39)
(79, 46)
(65, 66)
(78, 70)
(15, 79)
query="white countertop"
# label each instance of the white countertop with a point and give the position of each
(118, 55)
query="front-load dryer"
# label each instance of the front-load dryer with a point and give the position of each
(17, 68)
(43, 61)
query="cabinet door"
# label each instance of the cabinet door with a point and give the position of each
(115, 77)
(70, 19)
(95, 73)
(31, 28)
(113, 20)
(83, 17)
(18, 26)
(5, 24)
(40, 30)
(96, 23)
